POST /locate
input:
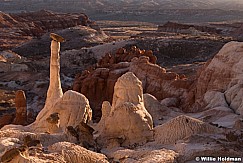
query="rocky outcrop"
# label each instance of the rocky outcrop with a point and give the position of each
(205, 145)
(45, 20)
(124, 55)
(52, 118)
(134, 123)
(97, 83)
(222, 74)
(11, 57)
(59, 150)
(125, 132)
(24, 26)
(63, 118)
(21, 108)
(157, 82)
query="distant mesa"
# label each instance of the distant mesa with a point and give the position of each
(25, 26)
(174, 27)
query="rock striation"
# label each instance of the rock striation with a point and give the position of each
(77, 154)
(45, 20)
(222, 74)
(179, 128)
(145, 155)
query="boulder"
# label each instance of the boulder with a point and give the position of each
(170, 102)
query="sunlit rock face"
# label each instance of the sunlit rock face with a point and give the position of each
(133, 122)
(70, 108)
(97, 83)
(222, 74)
(157, 82)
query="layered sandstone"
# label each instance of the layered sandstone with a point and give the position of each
(222, 74)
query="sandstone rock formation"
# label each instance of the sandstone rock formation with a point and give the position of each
(195, 145)
(21, 108)
(133, 123)
(221, 74)
(179, 128)
(61, 113)
(157, 82)
(97, 83)
(48, 20)
(57, 149)
(71, 104)
(125, 132)
(123, 55)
